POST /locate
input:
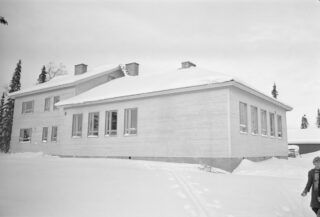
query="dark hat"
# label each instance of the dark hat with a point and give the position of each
(316, 159)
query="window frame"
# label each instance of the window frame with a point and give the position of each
(272, 124)
(45, 139)
(24, 107)
(21, 138)
(243, 125)
(129, 130)
(90, 132)
(47, 105)
(76, 133)
(55, 101)
(264, 124)
(254, 131)
(54, 139)
(108, 123)
(279, 129)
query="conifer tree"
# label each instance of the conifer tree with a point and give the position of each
(43, 76)
(15, 85)
(1, 121)
(274, 91)
(318, 119)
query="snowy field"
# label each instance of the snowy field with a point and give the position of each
(33, 184)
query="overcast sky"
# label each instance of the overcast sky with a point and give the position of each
(259, 42)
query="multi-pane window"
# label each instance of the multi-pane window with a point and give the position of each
(45, 134)
(55, 100)
(93, 124)
(77, 125)
(254, 120)
(264, 125)
(131, 121)
(279, 123)
(243, 117)
(25, 135)
(47, 104)
(54, 134)
(27, 107)
(111, 123)
(272, 124)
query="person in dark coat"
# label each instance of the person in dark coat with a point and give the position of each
(314, 182)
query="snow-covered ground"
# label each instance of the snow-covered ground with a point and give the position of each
(33, 184)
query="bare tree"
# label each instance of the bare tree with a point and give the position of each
(53, 70)
(3, 21)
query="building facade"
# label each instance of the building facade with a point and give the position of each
(188, 115)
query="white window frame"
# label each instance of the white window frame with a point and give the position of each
(272, 124)
(54, 134)
(254, 120)
(108, 123)
(47, 102)
(91, 131)
(129, 129)
(279, 124)
(243, 121)
(45, 131)
(26, 110)
(22, 138)
(55, 100)
(264, 122)
(77, 120)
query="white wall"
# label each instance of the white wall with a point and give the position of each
(191, 124)
(37, 120)
(249, 145)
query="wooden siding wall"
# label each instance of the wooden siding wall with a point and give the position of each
(181, 125)
(37, 120)
(249, 145)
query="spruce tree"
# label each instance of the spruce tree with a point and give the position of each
(318, 119)
(43, 76)
(1, 121)
(15, 85)
(304, 122)
(274, 91)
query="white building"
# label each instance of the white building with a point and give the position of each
(185, 115)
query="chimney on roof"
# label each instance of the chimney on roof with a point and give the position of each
(80, 69)
(132, 69)
(187, 64)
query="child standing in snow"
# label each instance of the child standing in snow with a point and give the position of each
(313, 181)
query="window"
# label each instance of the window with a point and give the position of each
(264, 125)
(111, 123)
(130, 121)
(77, 125)
(243, 117)
(93, 124)
(47, 104)
(25, 135)
(55, 100)
(45, 134)
(279, 123)
(54, 134)
(272, 125)
(27, 107)
(254, 120)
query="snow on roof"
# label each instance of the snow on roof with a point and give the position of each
(133, 85)
(310, 135)
(66, 80)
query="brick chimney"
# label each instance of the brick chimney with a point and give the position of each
(132, 69)
(80, 69)
(187, 64)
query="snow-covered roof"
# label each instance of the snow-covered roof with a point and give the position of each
(67, 80)
(156, 83)
(310, 135)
